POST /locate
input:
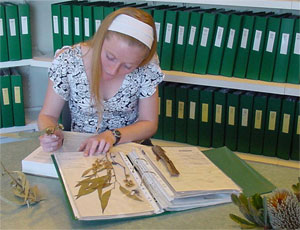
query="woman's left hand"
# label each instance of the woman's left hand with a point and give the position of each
(98, 144)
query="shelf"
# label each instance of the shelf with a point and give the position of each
(43, 61)
(270, 4)
(233, 83)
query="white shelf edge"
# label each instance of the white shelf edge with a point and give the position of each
(233, 83)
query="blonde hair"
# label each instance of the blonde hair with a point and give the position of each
(102, 33)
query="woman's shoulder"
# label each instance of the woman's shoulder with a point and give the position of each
(68, 51)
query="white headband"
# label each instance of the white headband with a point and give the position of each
(134, 28)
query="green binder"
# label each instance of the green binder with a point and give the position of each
(242, 53)
(295, 152)
(67, 24)
(181, 113)
(205, 115)
(283, 49)
(294, 73)
(231, 44)
(245, 121)
(98, 16)
(78, 20)
(17, 98)
(219, 117)
(25, 30)
(270, 48)
(56, 26)
(192, 41)
(6, 100)
(205, 41)
(161, 111)
(13, 33)
(217, 50)
(3, 35)
(284, 143)
(258, 123)
(272, 125)
(232, 114)
(170, 111)
(193, 115)
(258, 39)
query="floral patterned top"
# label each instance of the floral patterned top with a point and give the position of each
(70, 82)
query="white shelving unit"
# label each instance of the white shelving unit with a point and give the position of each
(42, 41)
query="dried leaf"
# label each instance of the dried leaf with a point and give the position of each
(84, 190)
(104, 199)
(86, 172)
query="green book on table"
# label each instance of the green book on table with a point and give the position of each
(270, 48)
(283, 49)
(219, 117)
(6, 99)
(25, 31)
(193, 116)
(257, 43)
(293, 75)
(3, 35)
(258, 123)
(13, 32)
(245, 121)
(295, 152)
(217, 49)
(181, 113)
(231, 44)
(206, 116)
(56, 26)
(284, 142)
(170, 111)
(272, 125)
(17, 98)
(232, 114)
(207, 29)
(161, 111)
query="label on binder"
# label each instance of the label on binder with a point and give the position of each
(218, 114)
(180, 109)
(192, 35)
(86, 27)
(272, 121)
(12, 27)
(66, 25)
(55, 24)
(157, 27)
(159, 105)
(192, 110)
(76, 26)
(168, 108)
(180, 35)
(168, 33)
(204, 113)
(245, 117)
(204, 37)
(219, 36)
(5, 96)
(230, 38)
(1, 27)
(270, 43)
(17, 91)
(231, 115)
(298, 125)
(284, 43)
(24, 25)
(286, 123)
(97, 24)
(244, 38)
(258, 119)
(297, 44)
(257, 40)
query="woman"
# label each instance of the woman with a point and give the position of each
(110, 83)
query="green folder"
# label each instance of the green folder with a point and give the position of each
(231, 44)
(25, 30)
(193, 109)
(3, 35)
(283, 49)
(205, 41)
(242, 53)
(67, 24)
(170, 111)
(56, 26)
(6, 100)
(17, 98)
(245, 121)
(161, 111)
(217, 50)
(13, 33)
(181, 113)
(284, 143)
(258, 123)
(192, 41)
(219, 117)
(110, 7)
(98, 16)
(272, 125)
(295, 152)
(293, 75)
(78, 20)
(250, 181)
(232, 114)
(205, 116)
(257, 43)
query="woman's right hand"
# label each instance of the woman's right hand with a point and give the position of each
(52, 142)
